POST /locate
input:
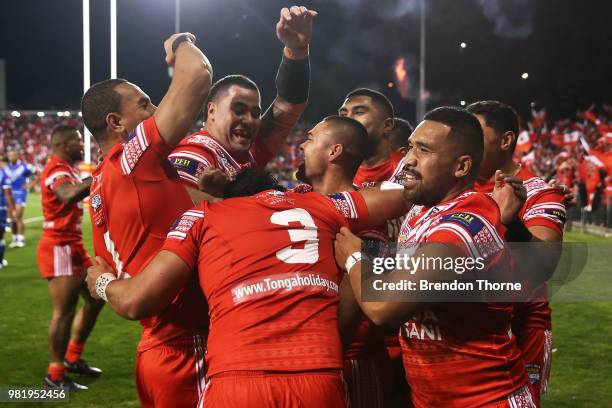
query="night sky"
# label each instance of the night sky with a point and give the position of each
(564, 45)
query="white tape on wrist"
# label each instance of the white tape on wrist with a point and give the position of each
(352, 260)
(102, 282)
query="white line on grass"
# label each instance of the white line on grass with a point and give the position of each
(33, 219)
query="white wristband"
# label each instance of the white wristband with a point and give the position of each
(352, 260)
(102, 282)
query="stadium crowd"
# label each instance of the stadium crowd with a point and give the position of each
(250, 294)
(575, 151)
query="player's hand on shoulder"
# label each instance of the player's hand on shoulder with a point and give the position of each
(170, 57)
(213, 181)
(346, 243)
(569, 197)
(93, 272)
(510, 194)
(294, 28)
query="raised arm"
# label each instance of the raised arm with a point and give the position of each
(188, 90)
(294, 30)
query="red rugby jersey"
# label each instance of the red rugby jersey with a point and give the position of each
(62, 222)
(460, 354)
(544, 207)
(385, 171)
(199, 151)
(135, 197)
(266, 265)
(367, 341)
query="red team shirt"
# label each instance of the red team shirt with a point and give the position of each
(62, 222)
(271, 280)
(199, 151)
(544, 207)
(385, 171)
(135, 197)
(461, 354)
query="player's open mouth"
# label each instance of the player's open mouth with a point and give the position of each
(406, 177)
(241, 136)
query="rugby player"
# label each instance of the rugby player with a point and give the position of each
(271, 285)
(63, 260)
(543, 216)
(459, 354)
(375, 112)
(236, 135)
(399, 135)
(7, 209)
(19, 174)
(135, 196)
(332, 155)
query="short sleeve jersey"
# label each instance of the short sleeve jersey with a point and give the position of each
(462, 354)
(62, 222)
(18, 174)
(367, 339)
(135, 197)
(199, 151)
(266, 265)
(544, 207)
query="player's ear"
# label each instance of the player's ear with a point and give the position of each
(507, 140)
(403, 150)
(335, 151)
(463, 166)
(211, 109)
(113, 123)
(388, 125)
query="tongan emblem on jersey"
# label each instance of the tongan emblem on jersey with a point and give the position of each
(96, 202)
(96, 206)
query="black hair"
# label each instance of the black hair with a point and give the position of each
(60, 132)
(63, 129)
(465, 132)
(249, 182)
(378, 98)
(223, 85)
(100, 100)
(353, 137)
(398, 137)
(499, 116)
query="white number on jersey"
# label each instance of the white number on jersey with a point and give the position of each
(310, 253)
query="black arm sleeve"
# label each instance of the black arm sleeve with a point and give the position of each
(293, 80)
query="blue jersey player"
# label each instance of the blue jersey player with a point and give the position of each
(6, 206)
(18, 173)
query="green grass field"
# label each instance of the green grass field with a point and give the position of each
(581, 373)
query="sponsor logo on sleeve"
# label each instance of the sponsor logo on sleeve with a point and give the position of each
(466, 220)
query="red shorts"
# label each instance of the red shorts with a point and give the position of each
(172, 375)
(365, 382)
(521, 398)
(57, 259)
(260, 389)
(536, 347)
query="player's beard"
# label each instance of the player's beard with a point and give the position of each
(300, 175)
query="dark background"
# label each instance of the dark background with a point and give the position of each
(564, 45)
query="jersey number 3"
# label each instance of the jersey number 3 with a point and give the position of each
(307, 235)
